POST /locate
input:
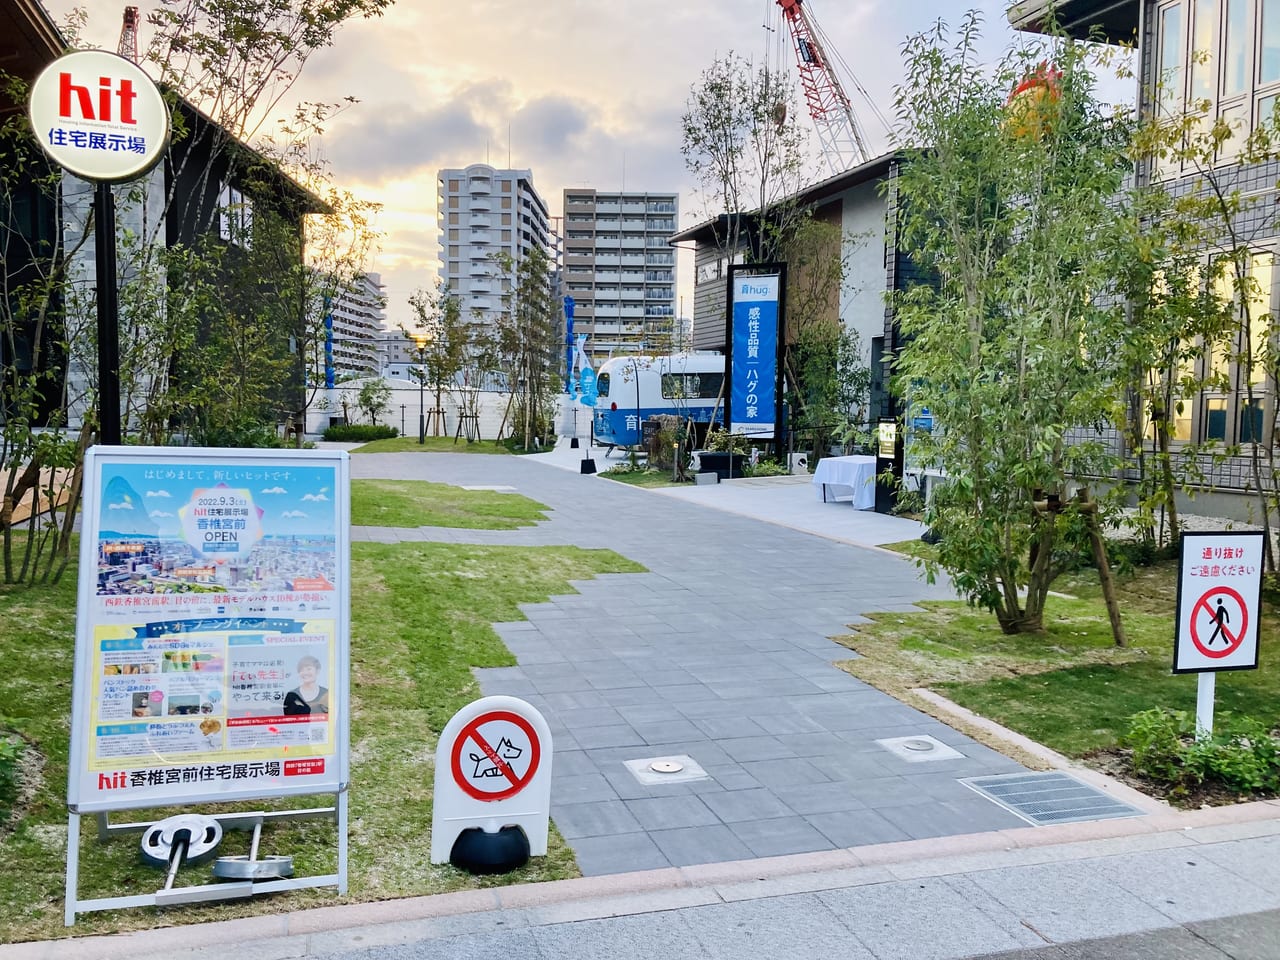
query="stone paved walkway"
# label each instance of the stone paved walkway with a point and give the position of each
(720, 653)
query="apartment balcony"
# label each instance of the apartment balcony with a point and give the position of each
(608, 277)
(633, 206)
(479, 186)
(631, 311)
(632, 294)
(633, 243)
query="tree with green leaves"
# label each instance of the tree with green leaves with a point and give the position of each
(444, 337)
(743, 144)
(1009, 210)
(524, 343)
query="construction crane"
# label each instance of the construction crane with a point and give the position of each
(833, 117)
(128, 45)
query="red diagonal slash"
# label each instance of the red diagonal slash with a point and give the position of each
(496, 760)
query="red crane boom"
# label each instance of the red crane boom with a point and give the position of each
(829, 105)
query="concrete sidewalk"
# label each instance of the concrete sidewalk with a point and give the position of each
(1202, 885)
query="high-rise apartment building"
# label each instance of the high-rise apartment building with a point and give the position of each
(620, 270)
(352, 325)
(481, 212)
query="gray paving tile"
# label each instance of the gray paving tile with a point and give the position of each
(738, 805)
(755, 748)
(785, 772)
(689, 845)
(618, 853)
(583, 788)
(617, 735)
(1069, 901)
(1190, 888)
(595, 819)
(665, 731)
(663, 813)
(785, 835)
(1252, 937)
(856, 828)
(924, 920)
(788, 928)
(620, 938)
(820, 798)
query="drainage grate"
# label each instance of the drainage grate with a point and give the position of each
(1052, 797)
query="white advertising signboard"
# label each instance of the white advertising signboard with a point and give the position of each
(99, 116)
(212, 627)
(1219, 599)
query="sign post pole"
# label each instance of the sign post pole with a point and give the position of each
(104, 240)
(1205, 683)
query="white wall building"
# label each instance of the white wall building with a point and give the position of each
(484, 211)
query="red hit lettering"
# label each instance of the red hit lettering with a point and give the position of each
(65, 89)
(127, 95)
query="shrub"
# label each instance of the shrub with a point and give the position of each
(359, 433)
(241, 433)
(10, 754)
(766, 468)
(1242, 755)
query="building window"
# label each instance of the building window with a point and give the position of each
(1219, 54)
(506, 186)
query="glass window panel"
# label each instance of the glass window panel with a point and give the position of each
(1260, 315)
(1251, 420)
(1215, 418)
(1266, 109)
(1203, 47)
(1235, 49)
(1237, 118)
(1269, 60)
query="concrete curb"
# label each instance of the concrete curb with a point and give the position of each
(307, 932)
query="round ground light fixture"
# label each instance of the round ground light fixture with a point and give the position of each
(666, 766)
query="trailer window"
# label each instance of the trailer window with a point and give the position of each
(691, 386)
(602, 385)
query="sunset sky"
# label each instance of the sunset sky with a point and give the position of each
(582, 92)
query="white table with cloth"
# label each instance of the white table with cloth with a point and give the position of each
(847, 478)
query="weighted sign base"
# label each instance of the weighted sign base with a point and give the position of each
(191, 837)
(480, 852)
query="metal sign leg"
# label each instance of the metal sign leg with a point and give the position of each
(73, 869)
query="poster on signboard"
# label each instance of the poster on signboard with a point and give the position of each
(755, 395)
(211, 641)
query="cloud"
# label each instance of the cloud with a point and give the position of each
(319, 497)
(159, 514)
(274, 490)
(125, 505)
(158, 493)
(386, 142)
(292, 515)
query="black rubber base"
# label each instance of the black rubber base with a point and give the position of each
(573, 443)
(588, 466)
(478, 852)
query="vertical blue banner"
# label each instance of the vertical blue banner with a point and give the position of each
(753, 403)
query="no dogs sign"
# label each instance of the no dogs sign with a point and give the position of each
(1219, 597)
(493, 770)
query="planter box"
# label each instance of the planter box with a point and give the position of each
(724, 465)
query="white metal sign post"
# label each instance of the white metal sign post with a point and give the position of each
(1219, 601)
(493, 770)
(212, 636)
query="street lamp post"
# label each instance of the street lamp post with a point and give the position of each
(421, 341)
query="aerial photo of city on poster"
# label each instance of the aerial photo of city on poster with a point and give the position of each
(178, 533)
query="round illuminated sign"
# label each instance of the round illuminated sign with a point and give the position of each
(99, 116)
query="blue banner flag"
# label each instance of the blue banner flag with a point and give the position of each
(753, 404)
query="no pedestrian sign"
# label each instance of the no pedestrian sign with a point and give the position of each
(1219, 598)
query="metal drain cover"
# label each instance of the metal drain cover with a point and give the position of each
(919, 749)
(1050, 797)
(666, 766)
(655, 770)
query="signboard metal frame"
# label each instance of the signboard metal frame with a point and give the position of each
(90, 660)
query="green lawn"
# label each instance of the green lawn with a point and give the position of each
(417, 503)
(420, 621)
(640, 477)
(432, 445)
(1070, 689)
